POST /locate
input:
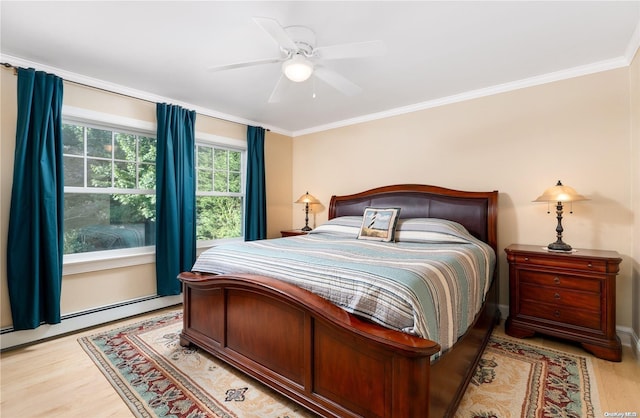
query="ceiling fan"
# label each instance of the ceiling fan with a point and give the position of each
(301, 58)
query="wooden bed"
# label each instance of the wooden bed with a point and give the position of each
(326, 359)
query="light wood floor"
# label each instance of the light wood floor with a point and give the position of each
(57, 379)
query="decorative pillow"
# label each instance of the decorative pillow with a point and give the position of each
(342, 225)
(379, 224)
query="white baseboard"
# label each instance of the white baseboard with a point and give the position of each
(629, 338)
(627, 335)
(81, 320)
(504, 312)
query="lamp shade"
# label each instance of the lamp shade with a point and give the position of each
(560, 193)
(298, 68)
(307, 198)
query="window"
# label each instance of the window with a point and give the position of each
(109, 193)
(109, 199)
(219, 192)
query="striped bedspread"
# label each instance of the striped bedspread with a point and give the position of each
(430, 282)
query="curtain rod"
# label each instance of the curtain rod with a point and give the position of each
(15, 72)
(9, 66)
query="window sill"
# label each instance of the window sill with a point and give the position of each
(107, 260)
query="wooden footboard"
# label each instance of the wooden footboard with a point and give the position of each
(322, 357)
(307, 348)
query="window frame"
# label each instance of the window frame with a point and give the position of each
(232, 145)
(110, 259)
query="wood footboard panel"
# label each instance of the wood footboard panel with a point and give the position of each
(307, 348)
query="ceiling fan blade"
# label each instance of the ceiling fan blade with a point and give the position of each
(245, 64)
(353, 50)
(337, 81)
(280, 90)
(277, 32)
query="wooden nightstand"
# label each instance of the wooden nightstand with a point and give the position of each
(567, 295)
(293, 232)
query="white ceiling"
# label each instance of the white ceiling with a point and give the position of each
(437, 52)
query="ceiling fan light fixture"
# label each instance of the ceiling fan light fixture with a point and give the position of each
(297, 68)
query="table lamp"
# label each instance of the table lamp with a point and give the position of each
(559, 194)
(307, 199)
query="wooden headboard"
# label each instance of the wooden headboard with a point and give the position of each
(476, 211)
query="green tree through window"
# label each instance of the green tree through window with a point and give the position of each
(110, 200)
(219, 195)
(109, 189)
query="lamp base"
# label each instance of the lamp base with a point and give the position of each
(559, 246)
(306, 228)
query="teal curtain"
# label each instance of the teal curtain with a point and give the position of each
(175, 196)
(256, 195)
(35, 239)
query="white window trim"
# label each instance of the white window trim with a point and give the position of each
(76, 114)
(210, 139)
(110, 259)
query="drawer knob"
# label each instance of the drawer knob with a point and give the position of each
(556, 314)
(526, 259)
(556, 280)
(590, 265)
(556, 296)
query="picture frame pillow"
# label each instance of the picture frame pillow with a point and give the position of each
(379, 224)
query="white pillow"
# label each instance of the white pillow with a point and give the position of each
(343, 225)
(431, 230)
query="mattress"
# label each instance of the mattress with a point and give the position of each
(430, 281)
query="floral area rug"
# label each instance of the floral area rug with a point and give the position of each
(156, 377)
(515, 379)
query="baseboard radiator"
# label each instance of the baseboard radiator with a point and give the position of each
(73, 322)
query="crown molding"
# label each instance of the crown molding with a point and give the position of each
(634, 44)
(475, 94)
(127, 91)
(622, 61)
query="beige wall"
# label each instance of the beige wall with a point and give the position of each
(279, 154)
(8, 88)
(634, 77)
(518, 143)
(102, 288)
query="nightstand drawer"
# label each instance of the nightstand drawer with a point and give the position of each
(560, 297)
(562, 315)
(553, 279)
(560, 261)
